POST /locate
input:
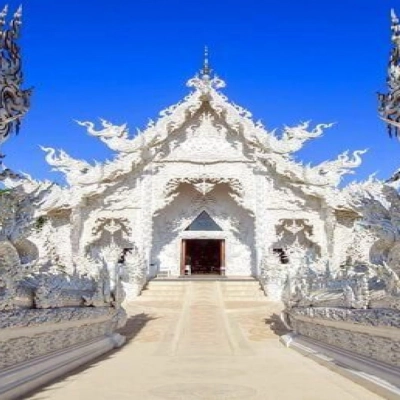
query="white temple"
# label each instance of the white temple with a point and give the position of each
(202, 190)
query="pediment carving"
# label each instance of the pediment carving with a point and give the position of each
(209, 141)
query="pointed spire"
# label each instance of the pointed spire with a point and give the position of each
(15, 23)
(395, 27)
(393, 16)
(3, 15)
(206, 79)
(206, 70)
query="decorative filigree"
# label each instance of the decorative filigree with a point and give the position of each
(112, 227)
(389, 104)
(379, 206)
(331, 326)
(204, 184)
(134, 272)
(111, 224)
(14, 101)
(116, 137)
(205, 83)
(202, 152)
(204, 187)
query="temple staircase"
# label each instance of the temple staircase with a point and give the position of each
(163, 290)
(231, 289)
(208, 301)
(246, 290)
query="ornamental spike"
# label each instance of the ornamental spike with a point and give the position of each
(16, 22)
(4, 12)
(3, 16)
(206, 66)
(388, 106)
(206, 70)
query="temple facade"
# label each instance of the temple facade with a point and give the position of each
(202, 190)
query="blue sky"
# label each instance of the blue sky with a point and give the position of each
(285, 61)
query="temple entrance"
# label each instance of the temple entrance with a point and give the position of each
(204, 256)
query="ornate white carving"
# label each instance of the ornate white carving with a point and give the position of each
(114, 136)
(60, 328)
(389, 103)
(379, 205)
(203, 154)
(377, 342)
(14, 101)
(134, 273)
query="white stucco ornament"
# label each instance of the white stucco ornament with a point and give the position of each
(203, 156)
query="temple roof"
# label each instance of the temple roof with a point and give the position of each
(204, 116)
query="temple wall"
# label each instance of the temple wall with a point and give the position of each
(153, 207)
(280, 206)
(52, 238)
(365, 341)
(38, 345)
(343, 237)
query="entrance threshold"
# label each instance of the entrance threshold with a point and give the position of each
(205, 277)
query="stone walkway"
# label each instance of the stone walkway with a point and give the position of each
(202, 347)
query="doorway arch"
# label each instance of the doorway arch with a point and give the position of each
(236, 224)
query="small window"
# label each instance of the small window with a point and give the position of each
(282, 255)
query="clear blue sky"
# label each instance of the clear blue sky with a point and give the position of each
(285, 61)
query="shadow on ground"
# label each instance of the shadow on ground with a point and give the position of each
(276, 325)
(133, 326)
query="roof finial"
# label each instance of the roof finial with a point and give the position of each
(205, 79)
(206, 70)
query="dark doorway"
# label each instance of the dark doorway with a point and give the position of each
(205, 256)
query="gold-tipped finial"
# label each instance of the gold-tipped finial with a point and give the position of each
(206, 70)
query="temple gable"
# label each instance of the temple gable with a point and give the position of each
(206, 140)
(202, 178)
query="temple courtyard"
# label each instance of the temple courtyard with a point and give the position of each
(211, 340)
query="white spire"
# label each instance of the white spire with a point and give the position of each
(206, 70)
(207, 80)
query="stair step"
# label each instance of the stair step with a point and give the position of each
(243, 295)
(162, 294)
(175, 290)
(247, 289)
(244, 290)
(166, 288)
(240, 283)
(166, 284)
(246, 299)
(159, 299)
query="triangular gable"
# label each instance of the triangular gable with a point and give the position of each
(204, 127)
(203, 222)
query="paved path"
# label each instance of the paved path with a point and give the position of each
(203, 348)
